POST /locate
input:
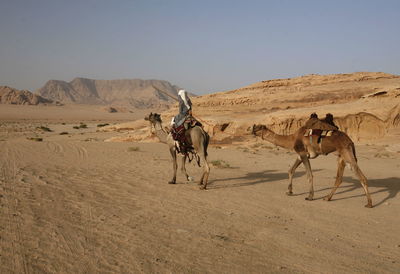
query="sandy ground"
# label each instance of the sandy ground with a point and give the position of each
(75, 204)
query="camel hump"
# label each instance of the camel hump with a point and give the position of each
(315, 123)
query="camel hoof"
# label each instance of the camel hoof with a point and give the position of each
(369, 206)
(171, 182)
(289, 193)
(327, 198)
(202, 187)
(308, 199)
(190, 179)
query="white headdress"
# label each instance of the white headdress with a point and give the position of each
(183, 94)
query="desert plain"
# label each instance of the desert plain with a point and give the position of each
(80, 196)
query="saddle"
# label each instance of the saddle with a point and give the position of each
(179, 134)
(318, 133)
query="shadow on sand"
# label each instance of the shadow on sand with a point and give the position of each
(391, 185)
(254, 178)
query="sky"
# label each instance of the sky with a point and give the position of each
(203, 46)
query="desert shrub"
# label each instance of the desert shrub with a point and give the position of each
(220, 164)
(133, 149)
(243, 149)
(64, 133)
(36, 139)
(103, 125)
(81, 125)
(44, 129)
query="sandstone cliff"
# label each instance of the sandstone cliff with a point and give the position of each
(366, 105)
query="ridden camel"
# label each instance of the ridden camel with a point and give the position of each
(199, 140)
(338, 142)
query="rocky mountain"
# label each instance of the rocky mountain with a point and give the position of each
(13, 96)
(135, 93)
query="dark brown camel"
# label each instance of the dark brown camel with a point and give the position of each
(338, 142)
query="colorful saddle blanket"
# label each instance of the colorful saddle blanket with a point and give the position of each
(179, 134)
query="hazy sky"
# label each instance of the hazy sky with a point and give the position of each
(203, 46)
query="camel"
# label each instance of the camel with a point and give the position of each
(199, 140)
(339, 142)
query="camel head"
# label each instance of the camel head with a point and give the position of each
(258, 129)
(153, 118)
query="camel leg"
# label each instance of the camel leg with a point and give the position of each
(349, 157)
(363, 181)
(183, 169)
(339, 177)
(174, 164)
(307, 165)
(291, 173)
(206, 171)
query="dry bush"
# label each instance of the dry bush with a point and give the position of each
(103, 125)
(133, 149)
(220, 164)
(36, 139)
(43, 128)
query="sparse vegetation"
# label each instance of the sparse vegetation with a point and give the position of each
(64, 133)
(81, 125)
(383, 154)
(220, 164)
(36, 139)
(103, 125)
(244, 149)
(133, 148)
(261, 146)
(44, 129)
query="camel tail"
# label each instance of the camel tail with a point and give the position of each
(206, 142)
(354, 151)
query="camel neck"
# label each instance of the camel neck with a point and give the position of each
(285, 141)
(160, 133)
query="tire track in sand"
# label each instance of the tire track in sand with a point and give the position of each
(9, 173)
(55, 147)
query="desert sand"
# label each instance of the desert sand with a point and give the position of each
(75, 201)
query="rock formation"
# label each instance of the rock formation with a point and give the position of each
(365, 105)
(13, 96)
(126, 92)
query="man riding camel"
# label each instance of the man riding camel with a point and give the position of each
(182, 122)
(185, 109)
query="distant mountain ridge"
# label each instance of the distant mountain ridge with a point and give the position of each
(14, 96)
(136, 93)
